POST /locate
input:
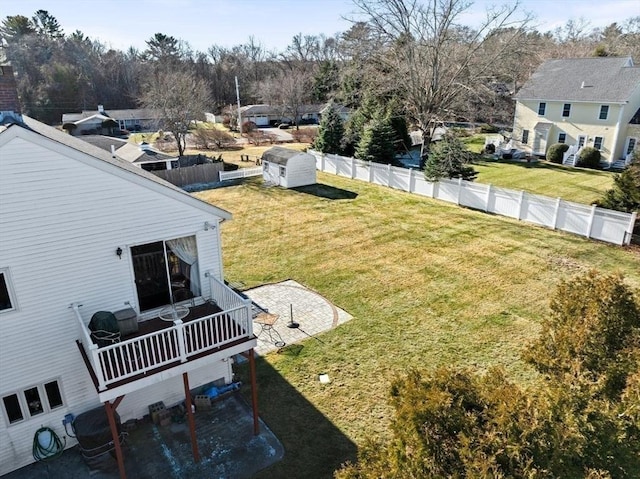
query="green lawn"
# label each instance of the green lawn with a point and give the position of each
(541, 177)
(580, 185)
(428, 284)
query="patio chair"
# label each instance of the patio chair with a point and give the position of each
(104, 329)
(267, 322)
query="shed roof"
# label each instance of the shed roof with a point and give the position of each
(606, 79)
(281, 156)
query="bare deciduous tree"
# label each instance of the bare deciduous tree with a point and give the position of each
(431, 59)
(179, 98)
(291, 90)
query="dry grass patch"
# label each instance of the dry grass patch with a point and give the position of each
(428, 284)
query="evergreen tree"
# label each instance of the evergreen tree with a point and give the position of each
(330, 132)
(449, 158)
(625, 194)
(376, 143)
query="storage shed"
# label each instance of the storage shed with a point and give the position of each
(288, 168)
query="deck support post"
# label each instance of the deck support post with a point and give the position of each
(254, 392)
(192, 423)
(114, 434)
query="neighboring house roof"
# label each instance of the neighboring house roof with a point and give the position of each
(264, 109)
(29, 124)
(338, 107)
(281, 156)
(104, 142)
(134, 114)
(606, 79)
(142, 153)
(97, 116)
(261, 109)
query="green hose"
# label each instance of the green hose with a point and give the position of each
(54, 448)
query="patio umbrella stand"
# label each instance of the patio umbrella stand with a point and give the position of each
(292, 324)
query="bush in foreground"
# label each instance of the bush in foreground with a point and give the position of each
(583, 422)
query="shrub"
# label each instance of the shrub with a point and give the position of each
(207, 138)
(589, 157)
(248, 127)
(304, 135)
(581, 422)
(556, 152)
(625, 194)
(591, 334)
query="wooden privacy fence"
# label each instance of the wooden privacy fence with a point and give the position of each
(589, 221)
(189, 175)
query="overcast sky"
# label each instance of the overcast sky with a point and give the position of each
(202, 23)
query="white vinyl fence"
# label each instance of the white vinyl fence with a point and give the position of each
(590, 221)
(240, 173)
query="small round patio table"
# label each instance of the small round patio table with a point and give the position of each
(173, 313)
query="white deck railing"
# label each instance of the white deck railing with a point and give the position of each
(180, 342)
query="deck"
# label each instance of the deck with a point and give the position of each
(222, 322)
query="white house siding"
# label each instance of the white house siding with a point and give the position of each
(583, 120)
(136, 404)
(62, 216)
(301, 171)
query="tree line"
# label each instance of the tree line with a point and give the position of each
(407, 59)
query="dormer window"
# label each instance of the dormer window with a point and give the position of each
(566, 110)
(604, 112)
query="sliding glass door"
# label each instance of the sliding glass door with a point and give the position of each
(166, 272)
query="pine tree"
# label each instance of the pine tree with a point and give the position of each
(376, 143)
(625, 194)
(449, 158)
(330, 132)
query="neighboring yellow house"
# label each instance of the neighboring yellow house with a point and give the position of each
(581, 102)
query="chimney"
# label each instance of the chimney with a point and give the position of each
(9, 102)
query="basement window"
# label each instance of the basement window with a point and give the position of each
(33, 401)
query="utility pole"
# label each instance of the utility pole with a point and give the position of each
(238, 98)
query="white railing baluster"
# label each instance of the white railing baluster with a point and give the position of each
(145, 353)
(182, 347)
